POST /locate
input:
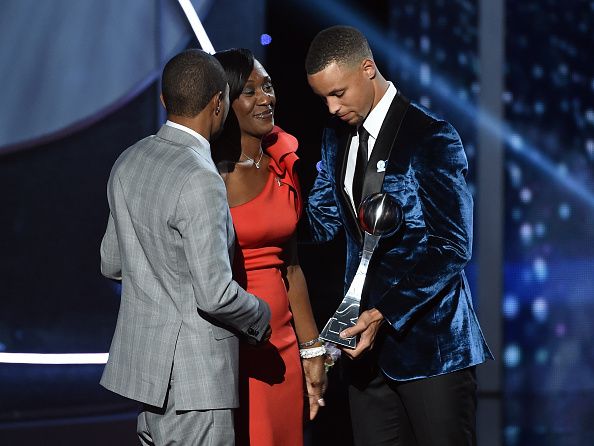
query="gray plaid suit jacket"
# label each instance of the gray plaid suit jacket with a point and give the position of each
(169, 238)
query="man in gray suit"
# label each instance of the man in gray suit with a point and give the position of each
(169, 238)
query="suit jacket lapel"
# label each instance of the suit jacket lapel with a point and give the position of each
(345, 135)
(378, 162)
(374, 176)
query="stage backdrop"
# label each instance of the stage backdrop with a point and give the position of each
(66, 61)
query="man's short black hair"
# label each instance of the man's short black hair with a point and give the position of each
(190, 80)
(344, 45)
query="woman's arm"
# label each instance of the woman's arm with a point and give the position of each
(305, 328)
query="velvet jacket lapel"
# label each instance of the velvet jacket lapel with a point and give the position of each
(374, 175)
(345, 135)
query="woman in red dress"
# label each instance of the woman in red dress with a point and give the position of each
(257, 162)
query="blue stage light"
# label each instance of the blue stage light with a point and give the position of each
(425, 74)
(515, 174)
(265, 39)
(541, 270)
(525, 195)
(526, 232)
(516, 214)
(512, 434)
(540, 309)
(425, 101)
(541, 357)
(539, 107)
(564, 211)
(540, 229)
(511, 307)
(512, 356)
(425, 44)
(590, 148)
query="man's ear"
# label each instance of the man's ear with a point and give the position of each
(162, 101)
(216, 101)
(368, 66)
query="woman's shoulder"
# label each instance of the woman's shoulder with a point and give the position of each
(280, 143)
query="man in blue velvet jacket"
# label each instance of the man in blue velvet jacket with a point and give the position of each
(412, 375)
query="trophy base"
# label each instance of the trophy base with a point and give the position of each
(343, 342)
(346, 316)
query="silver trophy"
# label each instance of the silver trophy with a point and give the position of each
(379, 214)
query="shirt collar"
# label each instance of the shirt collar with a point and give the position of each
(373, 122)
(194, 133)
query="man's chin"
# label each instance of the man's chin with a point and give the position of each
(354, 121)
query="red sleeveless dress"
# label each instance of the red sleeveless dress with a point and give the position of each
(270, 376)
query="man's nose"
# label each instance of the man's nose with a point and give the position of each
(333, 105)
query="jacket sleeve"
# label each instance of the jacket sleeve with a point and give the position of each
(322, 209)
(111, 265)
(202, 216)
(440, 167)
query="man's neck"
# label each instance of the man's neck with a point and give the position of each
(189, 131)
(194, 124)
(380, 87)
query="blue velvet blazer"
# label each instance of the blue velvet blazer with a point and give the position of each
(416, 277)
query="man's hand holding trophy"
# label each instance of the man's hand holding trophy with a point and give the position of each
(379, 215)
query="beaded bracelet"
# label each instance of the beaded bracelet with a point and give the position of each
(307, 353)
(309, 343)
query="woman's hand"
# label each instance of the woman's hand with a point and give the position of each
(315, 382)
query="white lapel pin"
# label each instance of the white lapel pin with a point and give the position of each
(381, 166)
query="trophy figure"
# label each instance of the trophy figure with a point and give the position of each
(379, 214)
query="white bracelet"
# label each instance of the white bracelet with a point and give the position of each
(307, 353)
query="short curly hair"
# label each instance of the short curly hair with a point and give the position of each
(339, 44)
(190, 80)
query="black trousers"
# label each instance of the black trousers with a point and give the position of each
(436, 411)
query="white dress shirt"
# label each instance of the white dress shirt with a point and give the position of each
(373, 124)
(194, 133)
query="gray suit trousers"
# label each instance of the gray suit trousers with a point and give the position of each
(166, 426)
